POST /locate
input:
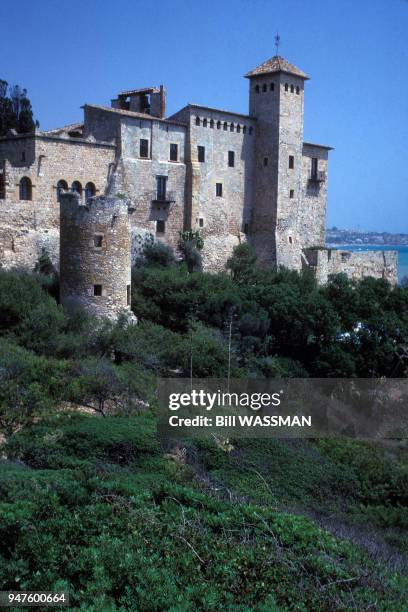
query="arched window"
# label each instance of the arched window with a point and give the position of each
(250, 131)
(257, 88)
(89, 191)
(298, 90)
(197, 120)
(264, 88)
(244, 129)
(225, 126)
(218, 125)
(272, 86)
(212, 123)
(238, 128)
(292, 89)
(61, 186)
(26, 189)
(77, 187)
(286, 87)
(231, 127)
(204, 122)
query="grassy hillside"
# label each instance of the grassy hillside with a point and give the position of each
(94, 506)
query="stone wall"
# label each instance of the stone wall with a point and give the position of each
(28, 225)
(139, 176)
(223, 220)
(355, 264)
(312, 212)
(95, 264)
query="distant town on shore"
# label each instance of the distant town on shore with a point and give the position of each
(335, 235)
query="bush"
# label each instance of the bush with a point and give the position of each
(30, 386)
(116, 532)
(159, 255)
(60, 444)
(47, 274)
(190, 245)
(242, 264)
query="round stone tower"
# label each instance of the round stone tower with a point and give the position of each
(95, 265)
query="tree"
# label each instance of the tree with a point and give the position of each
(30, 386)
(16, 112)
(96, 385)
(159, 255)
(104, 387)
(242, 263)
(190, 245)
(47, 273)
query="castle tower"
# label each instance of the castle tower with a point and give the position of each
(95, 260)
(276, 101)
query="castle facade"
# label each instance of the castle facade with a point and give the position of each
(233, 177)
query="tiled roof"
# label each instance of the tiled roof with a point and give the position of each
(145, 90)
(276, 64)
(320, 146)
(128, 113)
(65, 128)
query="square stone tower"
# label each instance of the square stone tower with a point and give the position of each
(276, 94)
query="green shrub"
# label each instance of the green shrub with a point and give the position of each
(159, 255)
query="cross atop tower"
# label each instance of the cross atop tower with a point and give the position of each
(277, 42)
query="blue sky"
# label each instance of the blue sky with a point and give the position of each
(68, 52)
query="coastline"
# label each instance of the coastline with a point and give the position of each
(379, 246)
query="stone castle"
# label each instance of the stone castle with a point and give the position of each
(233, 177)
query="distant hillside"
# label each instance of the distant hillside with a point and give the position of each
(343, 236)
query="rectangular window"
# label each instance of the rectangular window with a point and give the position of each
(231, 159)
(98, 290)
(144, 148)
(160, 226)
(201, 222)
(313, 174)
(218, 190)
(292, 193)
(161, 187)
(246, 228)
(201, 153)
(291, 162)
(98, 239)
(128, 295)
(265, 161)
(173, 152)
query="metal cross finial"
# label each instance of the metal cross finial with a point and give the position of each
(277, 42)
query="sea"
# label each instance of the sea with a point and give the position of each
(402, 254)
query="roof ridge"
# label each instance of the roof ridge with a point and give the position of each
(129, 113)
(276, 63)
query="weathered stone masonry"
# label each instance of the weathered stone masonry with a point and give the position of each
(233, 177)
(95, 264)
(27, 225)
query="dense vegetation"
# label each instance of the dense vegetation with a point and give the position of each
(92, 504)
(95, 507)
